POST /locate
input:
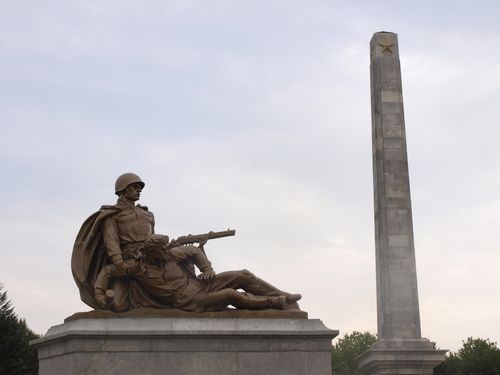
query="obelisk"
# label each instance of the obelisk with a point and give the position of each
(400, 349)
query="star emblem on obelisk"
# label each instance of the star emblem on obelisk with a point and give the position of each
(387, 47)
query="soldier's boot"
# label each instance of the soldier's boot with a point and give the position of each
(283, 302)
(104, 298)
(101, 287)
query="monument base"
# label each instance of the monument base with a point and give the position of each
(154, 346)
(401, 357)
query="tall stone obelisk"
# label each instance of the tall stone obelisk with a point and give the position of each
(400, 349)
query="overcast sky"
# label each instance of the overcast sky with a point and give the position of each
(254, 115)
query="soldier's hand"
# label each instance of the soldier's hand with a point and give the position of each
(203, 241)
(207, 275)
(122, 267)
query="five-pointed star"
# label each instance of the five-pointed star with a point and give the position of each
(386, 47)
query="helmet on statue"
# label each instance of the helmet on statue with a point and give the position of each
(125, 180)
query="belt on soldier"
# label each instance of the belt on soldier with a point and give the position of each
(132, 250)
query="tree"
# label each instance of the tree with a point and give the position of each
(476, 357)
(347, 348)
(16, 356)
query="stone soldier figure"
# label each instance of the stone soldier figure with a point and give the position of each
(119, 263)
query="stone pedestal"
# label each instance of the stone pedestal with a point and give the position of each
(401, 357)
(154, 346)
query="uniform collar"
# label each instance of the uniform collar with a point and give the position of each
(123, 203)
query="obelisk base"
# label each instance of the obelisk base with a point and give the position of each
(401, 357)
(182, 346)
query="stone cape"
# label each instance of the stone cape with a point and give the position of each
(89, 255)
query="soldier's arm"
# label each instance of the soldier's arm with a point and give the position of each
(145, 208)
(112, 240)
(195, 255)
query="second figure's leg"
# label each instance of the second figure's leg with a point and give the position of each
(252, 284)
(217, 301)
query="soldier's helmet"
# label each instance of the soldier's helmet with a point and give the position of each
(125, 180)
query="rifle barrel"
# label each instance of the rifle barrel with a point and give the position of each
(225, 233)
(190, 238)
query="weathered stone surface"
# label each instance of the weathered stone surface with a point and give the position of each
(155, 346)
(400, 348)
(401, 357)
(398, 310)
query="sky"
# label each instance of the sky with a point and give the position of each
(254, 116)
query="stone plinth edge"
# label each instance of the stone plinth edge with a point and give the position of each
(155, 346)
(139, 327)
(176, 313)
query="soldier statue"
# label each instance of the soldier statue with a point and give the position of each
(119, 263)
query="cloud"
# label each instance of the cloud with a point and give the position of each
(255, 117)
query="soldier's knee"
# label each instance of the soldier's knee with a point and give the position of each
(184, 248)
(230, 293)
(191, 249)
(247, 273)
(183, 251)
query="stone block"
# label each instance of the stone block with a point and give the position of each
(394, 191)
(154, 346)
(392, 131)
(399, 240)
(391, 96)
(401, 357)
(392, 108)
(394, 143)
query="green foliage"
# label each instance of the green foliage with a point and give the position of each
(346, 349)
(16, 356)
(475, 357)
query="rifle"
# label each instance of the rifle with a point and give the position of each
(200, 238)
